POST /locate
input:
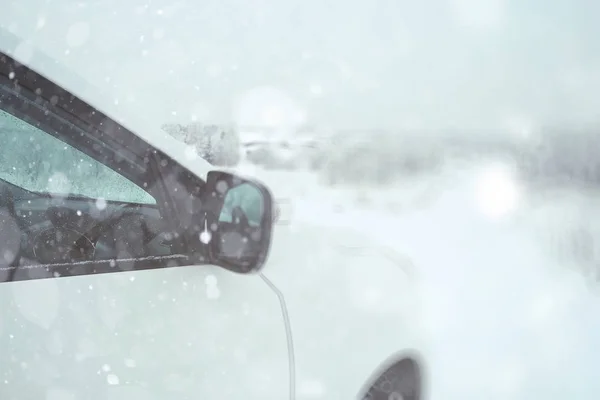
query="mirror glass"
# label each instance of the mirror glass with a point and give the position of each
(243, 201)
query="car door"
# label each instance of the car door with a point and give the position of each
(127, 317)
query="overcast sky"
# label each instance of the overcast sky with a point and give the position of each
(350, 63)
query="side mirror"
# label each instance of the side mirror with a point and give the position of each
(239, 234)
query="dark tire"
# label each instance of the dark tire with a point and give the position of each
(400, 380)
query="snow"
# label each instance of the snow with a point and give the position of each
(502, 316)
(481, 276)
(466, 266)
(78, 34)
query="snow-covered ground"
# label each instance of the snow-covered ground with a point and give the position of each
(507, 310)
(508, 307)
(490, 282)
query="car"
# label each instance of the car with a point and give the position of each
(128, 271)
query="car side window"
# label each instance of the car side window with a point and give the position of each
(63, 208)
(38, 162)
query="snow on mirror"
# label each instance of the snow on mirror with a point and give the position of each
(244, 224)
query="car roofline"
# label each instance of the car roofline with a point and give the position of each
(48, 68)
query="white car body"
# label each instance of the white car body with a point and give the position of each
(326, 311)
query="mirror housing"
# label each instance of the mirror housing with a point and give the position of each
(238, 221)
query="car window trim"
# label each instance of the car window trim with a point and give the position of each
(30, 112)
(16, 101)
(26, 83)
(89, 118)
(71, 108)
(91, 267)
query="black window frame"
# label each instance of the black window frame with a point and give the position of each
(20, 104)
(102, 138)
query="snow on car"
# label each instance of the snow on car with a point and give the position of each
(182, 315)
(217, 144)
